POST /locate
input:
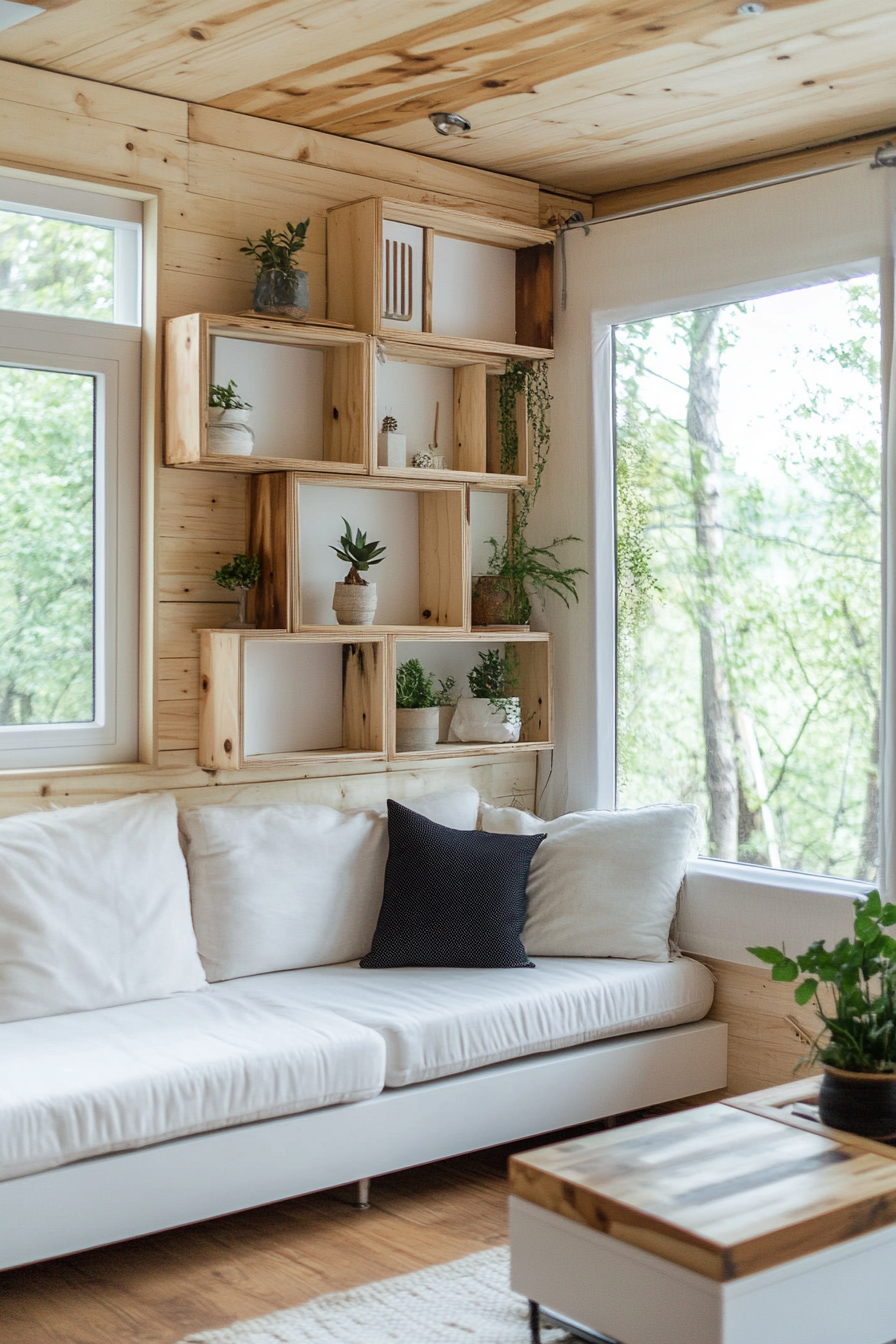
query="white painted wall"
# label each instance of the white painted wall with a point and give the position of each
(389, 516)
(410, 392)
(285, 385)
(449, 659)
(473, 290)
(488, 518)
(293, 697)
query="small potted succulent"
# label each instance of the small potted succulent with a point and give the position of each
(239, 576)
(354, 599)
(447, 702)
(281, 289)
(228, 415)
(856, 1046)
(416, 708)
(492, 712)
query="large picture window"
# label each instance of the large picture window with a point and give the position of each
(748, 506)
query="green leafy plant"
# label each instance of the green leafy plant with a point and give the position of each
(495, 678)
(860, 1033)
(529, 570)
(276, 251)
(358, 553)
(414, 687)
(226, 397)
(444, 696)
(242, 572)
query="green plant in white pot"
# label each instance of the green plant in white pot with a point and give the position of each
(492, 712)
(416, 708)
(228, 421)
(354, 599)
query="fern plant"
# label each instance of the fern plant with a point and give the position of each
(358, 553)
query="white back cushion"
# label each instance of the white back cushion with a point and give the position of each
(94, 908)
(603, 884)
(284, 885)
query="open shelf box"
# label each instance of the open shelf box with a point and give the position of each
(280, 699)
(449, 655)
(436, 276)
(309, 388)
(423, 582)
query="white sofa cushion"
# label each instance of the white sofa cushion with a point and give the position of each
(84, 1084)
(445, 1020)
(94, 908)
(602, 884)
(286, 885)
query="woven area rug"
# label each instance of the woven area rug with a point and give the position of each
(468, 1301)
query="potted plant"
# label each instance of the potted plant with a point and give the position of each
(446, 701)
(518, 571)
(228, 415)
(281, 289)
(416, 708)
(492, 713)
(354, 599)
(239, 576)
(856, 1046)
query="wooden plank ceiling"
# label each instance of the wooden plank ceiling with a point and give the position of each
(582, 97)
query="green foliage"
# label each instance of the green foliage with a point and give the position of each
(531, 570)
(444, 696)
(414, 687)
(243, 571)
(496, 675)
(276, 251)
(55, 266)
(358, 552)
(226, 397)
(860, 1034)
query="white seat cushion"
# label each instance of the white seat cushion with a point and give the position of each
(440, 1021)
(83, 1084)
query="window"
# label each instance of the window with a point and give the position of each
(748, 489)
(69, 475)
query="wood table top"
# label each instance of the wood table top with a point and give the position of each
(725, 1190)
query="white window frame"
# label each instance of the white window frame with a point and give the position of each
(111, 353)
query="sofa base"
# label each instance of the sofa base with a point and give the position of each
(144, 1190)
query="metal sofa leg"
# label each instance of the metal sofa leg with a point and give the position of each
(363, 1200)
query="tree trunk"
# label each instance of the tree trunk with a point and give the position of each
(706, 481)
(871, 837)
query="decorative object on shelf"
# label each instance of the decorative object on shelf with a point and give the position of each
(857, 1042)
(241, 574)
(354, 599)
(492, 714)
(423, 461)
(447, 704)
(281, 289)
(392, 447)
(416, 708)
(526, 570)
(228, 416)
(492, 599)
(398, 281)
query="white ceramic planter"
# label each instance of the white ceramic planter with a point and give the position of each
(354, 603)
(416, 729)
(229, 432)
(477, 720)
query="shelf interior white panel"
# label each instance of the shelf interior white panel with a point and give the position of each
(409, 392)
(389, 516)
(488, 518)
(449, 659)
(293, 697)
(285, 386)
(473, 290)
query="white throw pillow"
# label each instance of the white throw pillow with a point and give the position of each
(603, 884)
(284, 885)
(94, 908)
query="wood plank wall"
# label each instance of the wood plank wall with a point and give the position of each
(218, 176)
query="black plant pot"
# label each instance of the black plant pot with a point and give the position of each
(860, 1103)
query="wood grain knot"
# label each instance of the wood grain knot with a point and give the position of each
(228, 745)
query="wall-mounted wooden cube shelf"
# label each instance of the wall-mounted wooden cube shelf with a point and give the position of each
(462, 281)
(309, 387)
(279, 699)
(450, 655)
(424, 581)
(409, 383)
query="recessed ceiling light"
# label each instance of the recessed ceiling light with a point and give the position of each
(450, 123)
(11, 13)
(753, 7)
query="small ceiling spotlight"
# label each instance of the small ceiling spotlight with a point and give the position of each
(450, 123)
(885, 156)
(753, 7)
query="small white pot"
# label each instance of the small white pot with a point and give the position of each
(416, 729)
(354, 603)
(229, 432)
(446, 714)
(477, 720)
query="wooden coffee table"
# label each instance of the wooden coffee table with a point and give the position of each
(737, 1223)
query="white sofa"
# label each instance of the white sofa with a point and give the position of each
(121, 1120)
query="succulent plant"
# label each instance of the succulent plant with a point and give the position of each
(359, 553)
